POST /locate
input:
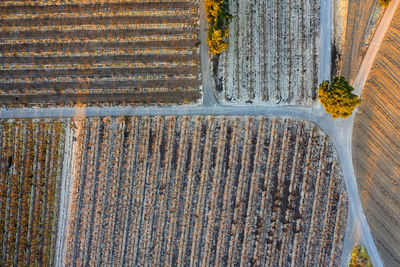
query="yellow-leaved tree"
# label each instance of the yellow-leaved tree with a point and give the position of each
(384, 3)
(360, 257)
(218, 18)
(337, 97)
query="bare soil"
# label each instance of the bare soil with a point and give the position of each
(376, 146)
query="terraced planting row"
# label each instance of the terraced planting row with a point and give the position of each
(376, 146)
(30, 173)
(62, 51)
(210, 191)
(273, 53)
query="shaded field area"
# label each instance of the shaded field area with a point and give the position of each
(30, 172)
(273, 53)
(362, 18)
(61, 50)
(376, 147)
(208, 191)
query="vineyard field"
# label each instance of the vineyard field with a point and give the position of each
(273, 54)
(204, 191)
(90, 52)
(376, 146)
(30, 173)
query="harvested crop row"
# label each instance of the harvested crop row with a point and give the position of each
(205, 191)
(68, 31)
(30, 173)
(273, 54)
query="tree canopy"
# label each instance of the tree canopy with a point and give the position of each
(360, 257)
(337, 97)
(384, 3)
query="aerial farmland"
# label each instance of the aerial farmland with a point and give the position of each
(129, 52)
(193, 133)
(204, 191)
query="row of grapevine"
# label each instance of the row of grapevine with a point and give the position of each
(84, 12)
(82, 2)
(30, 173)
(205, 191)
(100, 39)
(61, 50)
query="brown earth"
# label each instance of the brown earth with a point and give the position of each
(376, 147)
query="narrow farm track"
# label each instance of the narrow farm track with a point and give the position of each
(273, 54)
(30, 171)
(73, 50)
(156, 210)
